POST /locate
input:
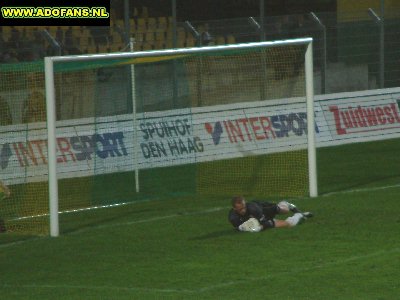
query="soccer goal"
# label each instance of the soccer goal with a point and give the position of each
(125, 127)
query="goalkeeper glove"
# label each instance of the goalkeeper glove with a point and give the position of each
(251, 225)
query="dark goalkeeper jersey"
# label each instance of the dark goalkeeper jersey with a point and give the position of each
(263, 212)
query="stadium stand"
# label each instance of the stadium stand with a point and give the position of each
(150, 31)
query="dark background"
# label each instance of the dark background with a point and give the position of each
(221, 9)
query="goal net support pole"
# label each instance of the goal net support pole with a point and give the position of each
(51, 101)
(312, 160)
(134, 116)
(51, 146)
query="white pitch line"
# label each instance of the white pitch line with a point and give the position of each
(210, 210)
(20, 242)
(77, 210)
(211, 287)
(368, 189)
(93, 287)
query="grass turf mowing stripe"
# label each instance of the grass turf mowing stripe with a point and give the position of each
(211, 287)
(301, 270)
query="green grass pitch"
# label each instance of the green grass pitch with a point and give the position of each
(184, 248)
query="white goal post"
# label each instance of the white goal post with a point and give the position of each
(51, 104)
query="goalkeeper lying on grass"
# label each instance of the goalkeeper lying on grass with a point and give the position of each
(256, 216)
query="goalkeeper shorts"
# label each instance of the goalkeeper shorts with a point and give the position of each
(270, 209)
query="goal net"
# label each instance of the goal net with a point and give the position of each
(23, 155)
(124, 127)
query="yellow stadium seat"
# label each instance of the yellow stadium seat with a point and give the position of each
(140, 36)
(135, 12)
(181, 33)
(168, 44)
(220, 40)
(116, 48)
(120, 23)
(132, 24)
(141, 25)
(91, 49)
(145, 12)
(190, 41)
(162, 23)
(151, 24)
(169, 35)
(103, 49)
(160, 34)
(230, 39)
(117, 39)
(181, 43)
(147, 46)
(159, 44)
